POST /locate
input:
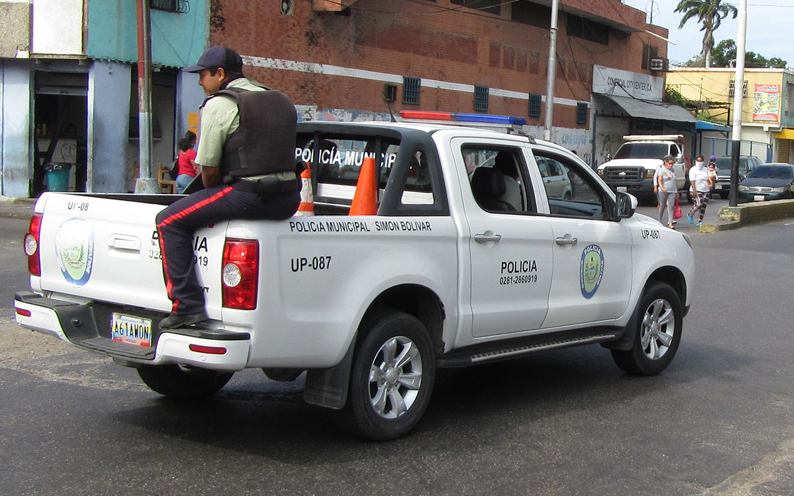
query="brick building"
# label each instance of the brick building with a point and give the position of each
(341, 60)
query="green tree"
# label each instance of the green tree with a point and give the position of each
(724, 55)
(709, 14)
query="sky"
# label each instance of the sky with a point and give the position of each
(769, 26)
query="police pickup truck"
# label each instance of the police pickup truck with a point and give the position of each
(470, 257)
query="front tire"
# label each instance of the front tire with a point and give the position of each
(657, 332)
(391, 380)
(183, 383)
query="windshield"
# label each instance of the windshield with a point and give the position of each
(723, 164)
(771, 172)
(643, 150)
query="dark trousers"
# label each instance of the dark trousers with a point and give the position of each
(178, 222)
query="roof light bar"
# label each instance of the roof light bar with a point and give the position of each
(461, 117)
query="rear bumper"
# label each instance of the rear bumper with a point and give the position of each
(87, 326)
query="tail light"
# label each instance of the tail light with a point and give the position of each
(31, 245)
(240, 273)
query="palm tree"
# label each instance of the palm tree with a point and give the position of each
(710, 14)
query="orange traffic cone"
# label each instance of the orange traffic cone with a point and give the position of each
(306, 207)
(365, 201)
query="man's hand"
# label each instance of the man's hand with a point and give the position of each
(211, 176)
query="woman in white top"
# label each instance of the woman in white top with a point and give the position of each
(701, 185)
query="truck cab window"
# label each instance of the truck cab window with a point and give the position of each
(496, 179)
(570, 188)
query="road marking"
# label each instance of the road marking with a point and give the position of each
(772, 466)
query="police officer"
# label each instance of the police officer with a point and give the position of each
(246, 153)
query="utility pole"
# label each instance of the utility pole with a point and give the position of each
(741, 38)
(145, 183)
(552, 72)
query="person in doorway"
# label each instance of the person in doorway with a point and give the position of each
(701, 185)
(246, 153)
(666, 190)
(187, 168)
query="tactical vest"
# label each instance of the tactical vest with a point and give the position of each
(264, 143)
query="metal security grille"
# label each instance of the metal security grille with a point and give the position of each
(481, 98)
(178, 6)
(535, 103)
(581, 113)
(624, 173)
(411, 88)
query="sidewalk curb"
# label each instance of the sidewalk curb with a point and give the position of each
(749, 214)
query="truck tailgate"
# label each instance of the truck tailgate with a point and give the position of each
(106, 250)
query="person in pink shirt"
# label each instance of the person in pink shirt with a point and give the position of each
(188, 168)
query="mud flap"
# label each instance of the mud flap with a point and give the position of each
(328, 387)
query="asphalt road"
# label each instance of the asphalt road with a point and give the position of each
(719, 421)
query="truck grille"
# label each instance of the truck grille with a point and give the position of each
(624, 173)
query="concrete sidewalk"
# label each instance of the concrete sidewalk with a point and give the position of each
(16, 208)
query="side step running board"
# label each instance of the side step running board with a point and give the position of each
(510, 349)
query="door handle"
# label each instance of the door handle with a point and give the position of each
(566, 240)
(487, 237)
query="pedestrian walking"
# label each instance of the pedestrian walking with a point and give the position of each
(667, 191)
(701, 184)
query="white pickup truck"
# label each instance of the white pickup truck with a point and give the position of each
(633, 168)
(471, 258)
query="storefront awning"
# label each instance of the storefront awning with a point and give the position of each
(648, 110)
(710, 126)
(785, 134)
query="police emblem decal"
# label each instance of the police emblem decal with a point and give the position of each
(591, 270)
(74, 249)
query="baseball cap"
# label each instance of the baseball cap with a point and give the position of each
(218, 56)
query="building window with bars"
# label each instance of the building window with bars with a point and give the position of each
(481, 98)
(581, 113)
(732, 88)
(178, 6)
(535, 104)
(411, 87)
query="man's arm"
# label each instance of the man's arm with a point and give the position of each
(211, 176)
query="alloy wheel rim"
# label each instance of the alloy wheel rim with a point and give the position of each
(395, 377)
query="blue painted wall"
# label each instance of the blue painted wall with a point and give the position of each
(109, 88)
(177, 39)
(15, 125)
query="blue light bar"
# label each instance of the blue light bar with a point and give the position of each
(461, 117)
(489, 119)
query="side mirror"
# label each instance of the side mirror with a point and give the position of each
(609, 157)
(625, 205)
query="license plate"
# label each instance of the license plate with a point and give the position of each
(722, 186)
(622, 189)
(759, 198)
(131, 330)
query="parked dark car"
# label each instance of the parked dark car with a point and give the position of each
(768, 182)
(723, 166)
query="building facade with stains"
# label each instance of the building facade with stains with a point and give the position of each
(69, 80)
(364, 59)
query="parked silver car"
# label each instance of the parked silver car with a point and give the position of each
(723, 166)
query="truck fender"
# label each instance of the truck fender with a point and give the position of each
(328, 387)
(626, 341)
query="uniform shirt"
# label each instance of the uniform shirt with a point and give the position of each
(700, 176)
(219, 119)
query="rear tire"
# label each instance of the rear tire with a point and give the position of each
(183, 383)
(657, 332)
(391, 380)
